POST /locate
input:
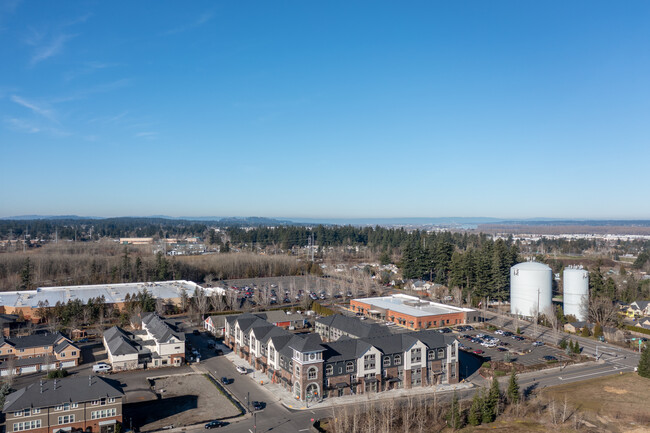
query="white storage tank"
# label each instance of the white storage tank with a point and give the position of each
(530, 282)
(576, 291)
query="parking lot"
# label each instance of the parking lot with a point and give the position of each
(521, 350)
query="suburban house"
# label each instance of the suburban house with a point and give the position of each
(85, 403)
(159, 343)
(575, 327)
(214, 324)
(311, 368)
(336, 326)
(33, 353)
(639, 308)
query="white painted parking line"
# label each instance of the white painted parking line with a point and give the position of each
(590, 374)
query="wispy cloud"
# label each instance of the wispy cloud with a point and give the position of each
(32, 127)
(53, 47)
(149, 135)
(202, 19)
(45, 112)
(87, 68)
(109, 119)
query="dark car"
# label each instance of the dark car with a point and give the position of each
(507, 334)
(502, 349)
(444, 330)
(550, 358)
(258, 405)
(469, 328)
(196, 332)
(215, 424)
(227, 381)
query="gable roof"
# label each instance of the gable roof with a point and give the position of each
(345, 349)
(280, 316)
(353, 326)
(310, 343)
(119, 342)
(70, 389)
(162, 331)
(35, 340)
(641, 305)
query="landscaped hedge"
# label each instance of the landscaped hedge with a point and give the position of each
(636, 329)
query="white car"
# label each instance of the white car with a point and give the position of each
(498, 331)
(241, 370)
(101, 367)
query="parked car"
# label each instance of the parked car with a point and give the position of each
(478, 351)
(215, 424)
(538, 343)
(258, 405)
(101, 367)
(499, 331)
(550, 358)
(502, 349)
(227, 381)
(241, 370)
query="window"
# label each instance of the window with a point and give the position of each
(297, 370)
(105, 413)
(312, 373)
(111, 399)
(62, 354)
(369, 362)
(21, 350)
(74, 405)
(26, 412)
(329, 370)
(349, 367)
(27, 425)
(432, 355)
(46, 347)
(66, 419)
(36, 410)
(441, 353)
(398, 359)
(19, 413)
(73, 353)
(386, 361)
(416, 355)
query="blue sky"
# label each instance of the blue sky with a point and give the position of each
(325, 109)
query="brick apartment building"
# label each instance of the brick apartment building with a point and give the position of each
(89, 404)
(311, 368)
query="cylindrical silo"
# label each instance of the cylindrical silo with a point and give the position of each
(576, 292)
(531, 283)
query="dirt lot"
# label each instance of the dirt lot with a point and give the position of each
(611, 401)
(186, 400)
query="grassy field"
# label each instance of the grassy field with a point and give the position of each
(610, 401)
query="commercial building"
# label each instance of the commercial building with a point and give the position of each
(158, 344)
(311, 368)
(28, 302)
(81, 403)
(38, 352)
(412, 312)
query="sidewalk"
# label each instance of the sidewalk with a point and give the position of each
(289, 401)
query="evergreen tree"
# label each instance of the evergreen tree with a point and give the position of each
(475, 414)
(513, 388)
(598, 330)
(571, 349)
(454, 419)
(563, 344)
(644, 363)
(491, 403)
(576, 348)
(26, 275)
(585, 332)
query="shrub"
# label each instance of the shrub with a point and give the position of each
(486, 365)
(57, 374)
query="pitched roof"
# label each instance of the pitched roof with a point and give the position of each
(35, 340)
(280, 316)
(310, 343)
(119, 342)
(345, 349)
(353, 326)
(161, 330)
(275, 333)
(70, 389)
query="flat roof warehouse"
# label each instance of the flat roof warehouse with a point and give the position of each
(412, 306)
(112, 293)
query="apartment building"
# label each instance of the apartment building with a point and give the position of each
(159, 343)
(86, 403)
(311, 368)
(38, 352)
(336, 326)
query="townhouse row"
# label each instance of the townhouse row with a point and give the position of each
(311, 368)
(37, 352)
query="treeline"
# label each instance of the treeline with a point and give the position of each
(92, 263)
(481, 267)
